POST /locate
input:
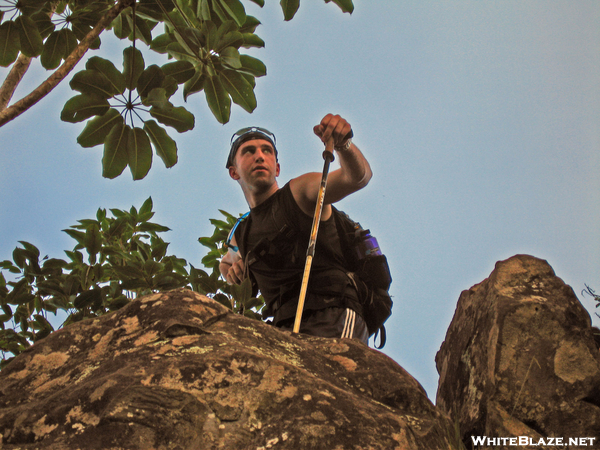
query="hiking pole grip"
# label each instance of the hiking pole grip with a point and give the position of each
(328, 152)
(310, 252)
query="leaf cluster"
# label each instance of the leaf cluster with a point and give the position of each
(117, 256)
(202, 41)
(592, 293)
(240, 298)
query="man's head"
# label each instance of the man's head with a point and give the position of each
(247, 134)
(252, 162)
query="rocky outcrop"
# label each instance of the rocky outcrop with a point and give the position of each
(519, 358)
(178, 371)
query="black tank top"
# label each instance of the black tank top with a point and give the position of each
(277, 233)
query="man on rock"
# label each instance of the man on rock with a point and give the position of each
(270, 244)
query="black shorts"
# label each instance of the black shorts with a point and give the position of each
(331, 322)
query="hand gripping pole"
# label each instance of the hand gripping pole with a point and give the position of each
(310, 253)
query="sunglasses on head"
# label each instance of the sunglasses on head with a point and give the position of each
(252, 130)
(245, 134)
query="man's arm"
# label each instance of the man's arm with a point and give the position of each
(354, 172)
(232, 266)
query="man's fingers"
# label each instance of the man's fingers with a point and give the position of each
(336, 126)
(235, 275)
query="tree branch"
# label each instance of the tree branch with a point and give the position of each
(52, 81)
(13, 79)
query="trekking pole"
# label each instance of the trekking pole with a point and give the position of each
(310, 253)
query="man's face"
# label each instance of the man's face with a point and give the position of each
(255, 164)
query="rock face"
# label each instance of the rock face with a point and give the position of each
(519, 358)
(178, 371)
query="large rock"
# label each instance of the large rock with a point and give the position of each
(178, 371)
(519, 358)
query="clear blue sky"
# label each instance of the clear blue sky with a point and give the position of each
(481, 121)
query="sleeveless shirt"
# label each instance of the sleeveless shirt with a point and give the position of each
(273, 242)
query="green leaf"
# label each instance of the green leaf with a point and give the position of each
(217, 99)
(93, 242)
(121, 26)
(180, 70)
(203, 10)
(43, 24)
(94, 83)
(177, 51)
(87, 298)
(190, 39)
(9, 43)
(31, 249)
(79, 236)
(83, 107)
(115, 156)
(70, 41)
(169, 85)
(54, 50)
(29, 35)
(250, 25)
(235, 9)
(143, 32)
(194, 84)
(207, 242)
(108, 69)
(164, 146)
(345, 5)
(231, 57)
(29, 7)
(97, 129)
(289, 8)
(139, 153)
(153, 227)
(146, 207)
(231, 39)
(154, 8)
(240, 90)
(252, 66)
(133, 66)
(7, 265)
(159, 249)
(81, 30)
(152, 77)
(157, 97)
(219, 11)
(252, 40)
(127, 272)
(260, 3)
(161, 43)
(117, 227)
(177, 117)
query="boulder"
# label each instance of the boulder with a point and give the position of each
(519, 358)
(177, 370)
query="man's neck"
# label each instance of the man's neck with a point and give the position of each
(255, 198)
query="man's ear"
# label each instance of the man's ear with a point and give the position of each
(233, 173)
(277, 170)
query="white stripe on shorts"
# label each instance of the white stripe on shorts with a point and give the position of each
(348, 331)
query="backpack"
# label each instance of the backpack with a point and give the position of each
(366, 267)
(369, 271)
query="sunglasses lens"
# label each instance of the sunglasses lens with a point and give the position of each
(248, 130)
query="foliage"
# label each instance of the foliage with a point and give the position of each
(201, 39)
(592, 293)
(116, 258)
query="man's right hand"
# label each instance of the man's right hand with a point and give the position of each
(232, 267)
(235, 274)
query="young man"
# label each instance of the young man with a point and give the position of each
(273, 239)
